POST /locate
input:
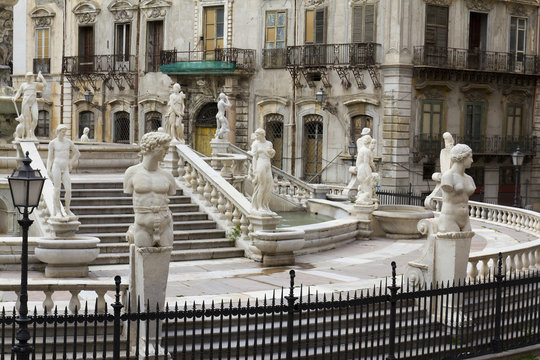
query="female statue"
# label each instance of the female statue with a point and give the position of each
(456, 188)
(175, 114)
(364, 171)
(262, 151)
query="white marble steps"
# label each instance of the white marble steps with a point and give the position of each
(106, 212)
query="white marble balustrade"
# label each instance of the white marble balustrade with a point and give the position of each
(74, 288)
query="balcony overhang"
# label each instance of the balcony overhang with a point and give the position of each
(198, 68)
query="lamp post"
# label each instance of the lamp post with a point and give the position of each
(352, 151)
(321, 96)
(517, 160)
(25, 185)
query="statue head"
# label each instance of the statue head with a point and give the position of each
(259, 134)
(365, 131)
(29, 76)
(176, 88)
(154, 140)
(448, 140)
(222, 96)
(86, 130)
(61, 128)
(460, 152)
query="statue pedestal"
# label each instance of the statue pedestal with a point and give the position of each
(278, 246)
(148, 284)
(219, 146)
(261, 222)
(364, 214)
(67, 254)
(170, 162)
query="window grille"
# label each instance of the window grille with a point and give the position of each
(152, 121)
(274, 134)
(312, 147)
(121, 127)
(42, 129)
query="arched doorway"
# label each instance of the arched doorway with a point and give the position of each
(313, 147)
(205, 128)
(121, 127)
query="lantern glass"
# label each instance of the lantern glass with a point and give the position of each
(88, 96)
(320, 96)
(26, 185)
(352, 149)
(517, 157)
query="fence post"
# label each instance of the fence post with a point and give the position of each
(496, 343)
(117, 306)
(410, 193)
(393, 301)
(290, 316)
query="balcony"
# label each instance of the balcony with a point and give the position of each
(320, 55)
(43, 65)
(274, 58)
(98, 64)
(486, 61)
(431, 145)
(218, 61)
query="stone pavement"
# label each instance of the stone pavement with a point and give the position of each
(358, 265)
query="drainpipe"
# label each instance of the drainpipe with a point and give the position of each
(293, 125)
(136, 85)
(62, 72)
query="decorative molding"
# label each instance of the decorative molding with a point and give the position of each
(42, 16)
(86, 12)
(310, 4)
(517, 90)
(122, 10)
(433, 93)
(480, 5)
(155, 9)
(6, 35)
(443, 85)
(520, 9)
(439, 2)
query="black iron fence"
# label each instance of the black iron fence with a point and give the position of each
(98, 64)
(400, 197)
(392, 321)
(431, 144)
(244, 59)
(467, 59)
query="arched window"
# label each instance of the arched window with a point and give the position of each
(358, 123)
(121, 127)
(42, 129)
(205, 128)
(152, 121)
(274, 134)
(86, 119)
(312, 147)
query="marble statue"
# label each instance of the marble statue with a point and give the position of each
(222, 124)
(365, 169)
(29, 107)
(350, 190)
(84, 136)
(445, 165)
(63, 156)
(456, 188)
(260, 171)
(151, 186)
(175, 114)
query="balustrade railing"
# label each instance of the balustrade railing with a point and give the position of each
(362, 54)
(244, 59)
(98, 64)
(466, 59)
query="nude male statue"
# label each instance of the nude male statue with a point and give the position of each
(63, 156)
(151, 187)
(222, 128)
(29, 107)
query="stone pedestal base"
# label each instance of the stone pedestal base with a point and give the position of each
(219, 146)
(278, 246)
(364, 214)
(170, 162)
(260, 222)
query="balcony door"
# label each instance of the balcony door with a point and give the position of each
(121, 47)
(154, 45)
(213, 31)
(86, 49)
(436, 35)
(473, 125)
(518, 32)
(315, 37)
(477, 40)
(432, 115)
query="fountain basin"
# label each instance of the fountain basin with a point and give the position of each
(400, 221)
(278, 246)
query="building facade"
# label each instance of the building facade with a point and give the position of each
(407, 69)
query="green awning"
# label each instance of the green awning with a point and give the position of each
(199, 67)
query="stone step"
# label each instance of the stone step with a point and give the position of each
(121, 200)
(123, 227)
(127, 209)
(119, 237)
(113, 192)
(97, 185)
(177, 255)
(129, 218)
(117, 248)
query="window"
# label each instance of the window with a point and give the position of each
(274, 134)
(122, 41)
(364, 17)
(42, 128)
(213, 30)
(315, 26)
(431, 125)
(86, 119)
(121, 127)
(436, 26)
(152, 121)
(473, 125)
(518, 31)
(276, 29)
(86, 49)
(43, 43)
(358, 123)
(514, 118)
(154, 44)
(313, 145)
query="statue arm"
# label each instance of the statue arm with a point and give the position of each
(50, 158)
(447, 184)
(172, 184)
(18, 93)
(42, 80)
(74, 157)
(128, 183)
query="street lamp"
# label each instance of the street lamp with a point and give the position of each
(352, 151)
(89, 96)
(517, 159)
(25, 185)
(320, 96)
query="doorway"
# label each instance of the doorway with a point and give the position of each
(86, 49)
(205, 129)
(477, 40)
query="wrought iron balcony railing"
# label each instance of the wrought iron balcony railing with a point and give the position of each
(274, 58)
(431, 144)
(244, 59)
(43, 65)
(464, 59)
(99, 64)
(362, 54)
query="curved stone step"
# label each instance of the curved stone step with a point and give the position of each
(179, 235)
(123, 247)
(129, 218)
(127, 209)
(123, 227)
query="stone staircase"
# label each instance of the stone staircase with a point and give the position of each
(106, 212)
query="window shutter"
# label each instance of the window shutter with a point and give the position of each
(320, 22)
(357, 24)
(436, 26)
(369, 24)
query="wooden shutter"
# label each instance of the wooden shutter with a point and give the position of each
(320, 26)
(357, 24)
(369, 23)
(436, 26)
